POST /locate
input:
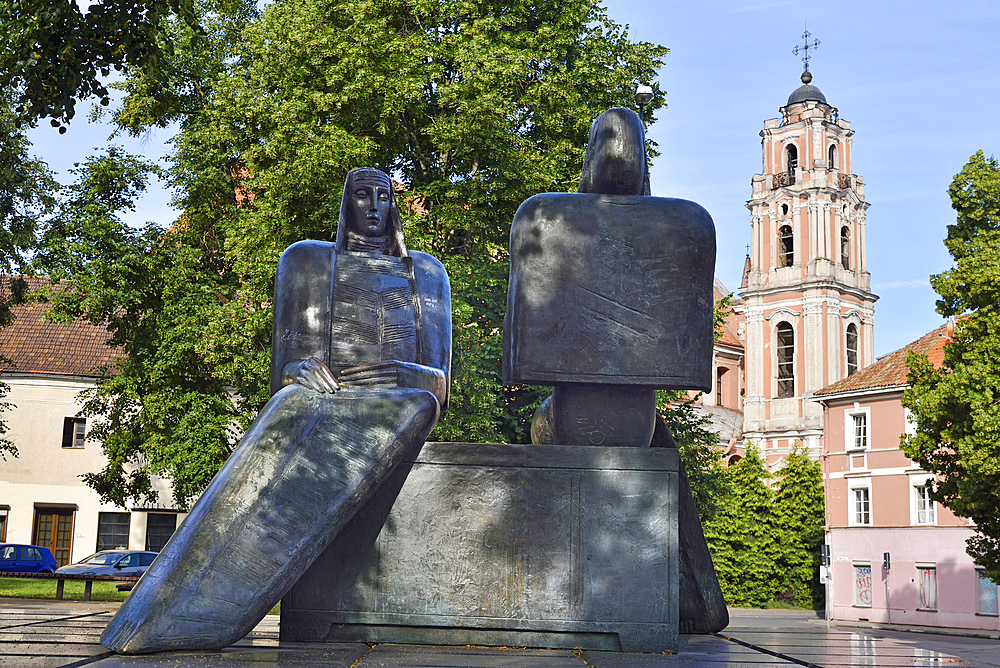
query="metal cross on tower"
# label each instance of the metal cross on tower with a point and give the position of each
(804, 50)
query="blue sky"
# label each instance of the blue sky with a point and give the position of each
(917, 80)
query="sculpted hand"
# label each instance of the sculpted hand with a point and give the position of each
(311, 373)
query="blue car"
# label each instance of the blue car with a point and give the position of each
(26, 559)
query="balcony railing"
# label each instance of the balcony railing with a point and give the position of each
(843, 181)
(782, 179)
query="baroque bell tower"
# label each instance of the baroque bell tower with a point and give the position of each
(806, 293)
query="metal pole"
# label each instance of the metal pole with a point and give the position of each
(888, 609)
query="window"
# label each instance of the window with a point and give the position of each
(927, 587)
(159, 528)
(4, 510)
(852, 349)
(857, 438)
(845, 247)
(791, 161)
(720, 374)
(862, 507)
(786, 252)
(923, 506)
(74, 432)
(112, 531)
(833, 157)
(784, 209)
(31, 554)
(987, 590)
(863, 585)
(54, 529)
(8, 553)
(786, 360)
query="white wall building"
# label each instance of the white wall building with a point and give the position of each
(43, 499)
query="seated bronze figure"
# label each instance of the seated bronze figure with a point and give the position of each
(360, 370)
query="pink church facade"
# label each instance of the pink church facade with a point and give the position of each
(795, 367)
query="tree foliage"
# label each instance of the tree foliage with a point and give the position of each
(956, 407)
(55, 53)
(798, 517)
(692, 432)
(740, 535)
(474, 106)
(765, 535)
(27, 193)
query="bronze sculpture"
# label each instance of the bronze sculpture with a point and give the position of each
(361, 358)
(610, 298)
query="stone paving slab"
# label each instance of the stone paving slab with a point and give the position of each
(424, 656)
(51, 635)
(683, 660)
(327, 656)
(61, 648)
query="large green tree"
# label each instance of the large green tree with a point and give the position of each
(741, 537)
(797, 518)
(54, 53)
(956, 407)
(473, 106)
(27, 193)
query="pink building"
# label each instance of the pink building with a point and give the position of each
(795, 365)
(877, 504)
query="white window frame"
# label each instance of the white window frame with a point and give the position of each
(774, 358)
(995, 612)
(858, 602)
(928, 566)
(850, 439)
(917, 482)
(854, 485)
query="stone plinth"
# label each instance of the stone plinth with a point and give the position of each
(542, 546)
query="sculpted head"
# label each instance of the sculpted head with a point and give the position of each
(616, 155)
(369, 210)
(369, 202)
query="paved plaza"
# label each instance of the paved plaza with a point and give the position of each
(49, 634)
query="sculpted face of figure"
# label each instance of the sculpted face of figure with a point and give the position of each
(369, 199)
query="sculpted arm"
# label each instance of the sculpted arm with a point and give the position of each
(301, 311)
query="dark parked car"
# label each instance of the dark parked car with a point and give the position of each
(112, 562)
(26, 559)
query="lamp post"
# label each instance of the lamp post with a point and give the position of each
(643, 96)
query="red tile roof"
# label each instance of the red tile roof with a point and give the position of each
(728, 325)
(890, 371)
(35, 345)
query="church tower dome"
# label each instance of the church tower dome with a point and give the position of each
(807, 299)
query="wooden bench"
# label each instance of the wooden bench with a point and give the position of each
(62, 577)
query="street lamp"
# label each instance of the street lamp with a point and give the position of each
(643, 96)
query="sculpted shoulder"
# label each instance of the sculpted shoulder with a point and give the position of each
(428, 272)
(305, 253)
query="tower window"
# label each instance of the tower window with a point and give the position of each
(791, 161)
(845, 247)
(786, 360)
(786, 254)
(833, 157)
(852, 349)
(784, 209)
